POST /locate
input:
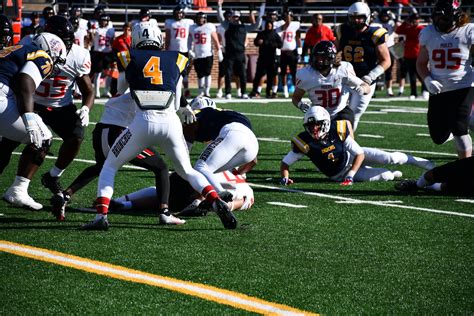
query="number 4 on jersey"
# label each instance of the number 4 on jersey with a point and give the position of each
(152, 70)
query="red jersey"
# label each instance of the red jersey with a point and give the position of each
(318, 34)
(122, 43)
(412, 44)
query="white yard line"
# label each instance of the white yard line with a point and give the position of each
(370, 136)
(287, 204)
(465, 201)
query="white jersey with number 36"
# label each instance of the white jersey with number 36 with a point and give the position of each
(57, 91)
(449, 56)
(200, 35)
(330, 92)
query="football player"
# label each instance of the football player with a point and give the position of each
(291, 50)
(364, 47)
(201, 35)
(155, 78)
(76, 12)
(232, 142)
(6, 32)
(328, 83)
(338, 156)
(184, 201)
(118, 114)
(444, 64)
(177, 33)
(22, 69)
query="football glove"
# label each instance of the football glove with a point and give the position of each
(433, 86)
(220, 55)
(303, 106)
(286, 181)
(33, 129)
(187, 114)
(347, 181)
(191, 54)
(83, 114)
(367, 79)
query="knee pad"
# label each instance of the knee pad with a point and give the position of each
(78, 133)
(463, 143)
(40, 153)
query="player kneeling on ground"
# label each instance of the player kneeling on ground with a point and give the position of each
(338, 156)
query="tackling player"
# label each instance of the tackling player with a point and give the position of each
(22, 68)
(337, 155)
(201, 36)
(364, 47)
(444, 64)
(328, 83)
(155, 78)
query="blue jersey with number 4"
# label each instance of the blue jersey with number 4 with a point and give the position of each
(13, 58)
(153, 69)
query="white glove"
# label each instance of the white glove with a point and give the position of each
(83, 114)
(187, 115)
(220, 56)
(367, 79)
(303, 106)
(30, 120)
(191, 54)
(360, 89)
(433, 86)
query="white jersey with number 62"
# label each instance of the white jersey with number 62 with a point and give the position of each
(450, 56)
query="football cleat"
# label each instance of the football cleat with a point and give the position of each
(99, 223)
(58, 205)
(225, 214)
(51, 183)
(406, 186)
(21, 199)
(170, 220)
(194, 209)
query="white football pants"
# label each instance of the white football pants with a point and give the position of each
(359, 103)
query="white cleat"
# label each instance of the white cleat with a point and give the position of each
(170, 220)
(21, 199)
(219, 94)
(397, 174)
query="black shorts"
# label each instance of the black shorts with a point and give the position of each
(62, 120)
(101, 61)
(109, 133)
(345, 114)
(449, 112)
(288, 59)
(203, 66)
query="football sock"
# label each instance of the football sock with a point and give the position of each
(210, 194)
(56, 172)
(402, 88)
(389, 91)
(274, 89)
(422, 182)
(434, 187)
(259, 89)
(21, 183)
(207, 85)
(102, 205)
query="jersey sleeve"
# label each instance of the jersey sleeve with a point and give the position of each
(84, 67)
(379, 36)
(423, 36)
(352, 146)
(300, 79)
(342, 130)
(182, 63)
(470, 33)
(42, 60)
(298, 145)
(124, 58)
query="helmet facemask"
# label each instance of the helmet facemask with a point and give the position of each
(317, 129)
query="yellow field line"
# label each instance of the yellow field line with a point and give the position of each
(206, 292)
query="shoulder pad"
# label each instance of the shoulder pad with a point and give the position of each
(300, 144)
(124, 58)
(341, 128)
(181, 62)
(377, 33)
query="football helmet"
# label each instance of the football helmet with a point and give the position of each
(75, 23)
(324, 55)
(358, 9)
(53, 46)
(178, 12)
(199, 17)
(144, 13)
(317, 122)
(76, 11)
(48, 12)
(104, 20)
(6, 31)
(62, 27)
(147, 34)
(445, 14)
(199, 103)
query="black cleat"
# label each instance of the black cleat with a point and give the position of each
(97, 224)
(58, 205)
(225, 214)
(406, 186)
(51, 183)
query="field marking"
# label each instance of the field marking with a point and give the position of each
(363, 202)
(465, 201)
(210, 293)
(377, 203)
(370, 136)
(287, 204)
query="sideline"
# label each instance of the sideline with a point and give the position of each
(210, 293)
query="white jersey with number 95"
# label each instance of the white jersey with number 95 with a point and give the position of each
(449, 56)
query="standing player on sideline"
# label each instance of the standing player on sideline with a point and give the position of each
(201, 36)
(22, 68)
(446, 46)
(328, 83)
(155, 85)
(177, 33)
(365, 48)
(291, 50)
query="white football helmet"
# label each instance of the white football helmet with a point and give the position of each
(356, 9)
(199, 103)
(147, 34)
(53, 46)
(317, 117)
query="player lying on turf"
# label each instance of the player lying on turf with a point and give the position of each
(454, 177)
(338, 156)
(185, 201)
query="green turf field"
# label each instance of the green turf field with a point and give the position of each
(365, 249)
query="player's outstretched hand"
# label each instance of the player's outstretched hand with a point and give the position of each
(347, 181)
(286, 181)
(187, 114)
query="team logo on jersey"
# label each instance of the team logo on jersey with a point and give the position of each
(327, 149)
(331, 157)
(47, 68)
(120, 144)
(209, 149)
